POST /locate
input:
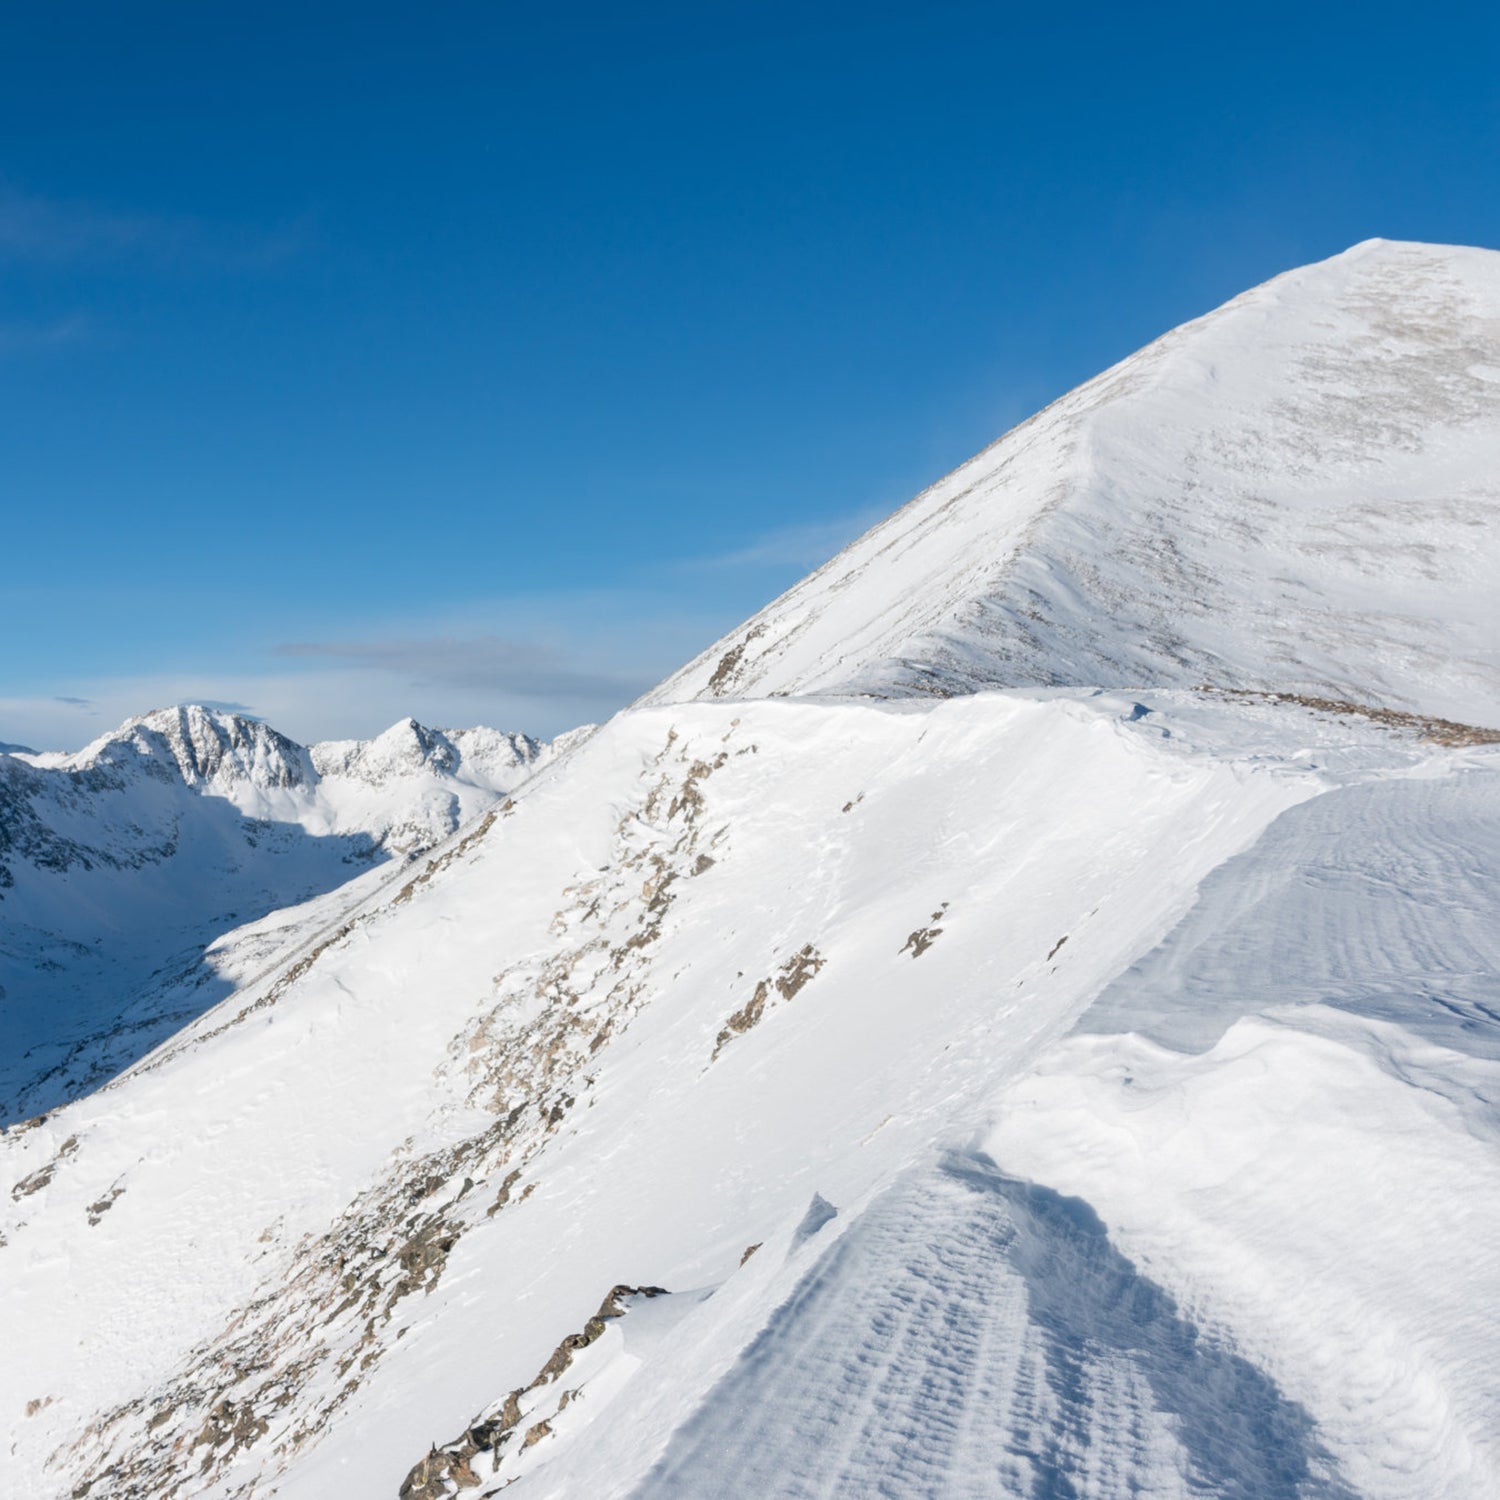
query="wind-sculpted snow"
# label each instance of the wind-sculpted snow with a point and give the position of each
(1297, 492)
(972, 1335)
(1381, 899)
(126, 868)
(1290, 1111)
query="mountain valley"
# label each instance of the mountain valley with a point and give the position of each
(135, 875)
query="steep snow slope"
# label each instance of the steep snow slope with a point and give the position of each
(617, 993)
(1297, 492)
(1059, 1091)
(121, 863)
(606, 1039)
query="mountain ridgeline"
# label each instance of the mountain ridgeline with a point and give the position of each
(1295, 493)
(122, 863)
(1018, 1017)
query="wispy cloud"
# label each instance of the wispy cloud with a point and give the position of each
(228, 706)
(524, 669)
(321, 697)
(803, 546)
(39, 338)
(543, 664)
(57, 231)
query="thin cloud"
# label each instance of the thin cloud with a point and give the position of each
(223, 705)
(86, 704)
(804, 546)
(39, 338)
(543, 665)
(55, 231)
(524, 669)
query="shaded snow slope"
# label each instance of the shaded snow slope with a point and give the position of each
(973, 1335)
(121, 863)
(1296, 492)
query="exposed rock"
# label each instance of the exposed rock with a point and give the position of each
(447, 1469)
(102, 1206)
(1439, 731)
(788, 982)
(439, 1475)
(924, 937)
(39, 1179)
(230, 1423)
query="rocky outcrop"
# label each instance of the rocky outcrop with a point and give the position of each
(449, 1469)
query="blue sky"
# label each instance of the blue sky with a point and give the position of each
(484, 362)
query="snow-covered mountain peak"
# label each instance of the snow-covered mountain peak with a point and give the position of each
(121, 862)
(204, 746)
(1296, 492)
(1052, 1090)
(408, 747)
(405, 747)
(231, 754)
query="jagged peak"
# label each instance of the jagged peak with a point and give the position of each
(202, 744)
(409, 746)
(205, 744)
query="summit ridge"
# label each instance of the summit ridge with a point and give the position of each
(1296, 493)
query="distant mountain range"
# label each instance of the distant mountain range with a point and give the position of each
(120, 864)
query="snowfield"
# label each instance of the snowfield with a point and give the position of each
(881, 1082)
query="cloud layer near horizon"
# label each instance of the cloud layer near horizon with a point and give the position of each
(485, 663)
(540, 665)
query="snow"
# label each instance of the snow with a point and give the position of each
(1083, 1088)
(1313, 1189)
(973, 1335)
(1292, 1108)
(128, 865)
(1296, 492)
(1033, 819)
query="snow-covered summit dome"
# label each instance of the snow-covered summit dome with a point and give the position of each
(1297, 492)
